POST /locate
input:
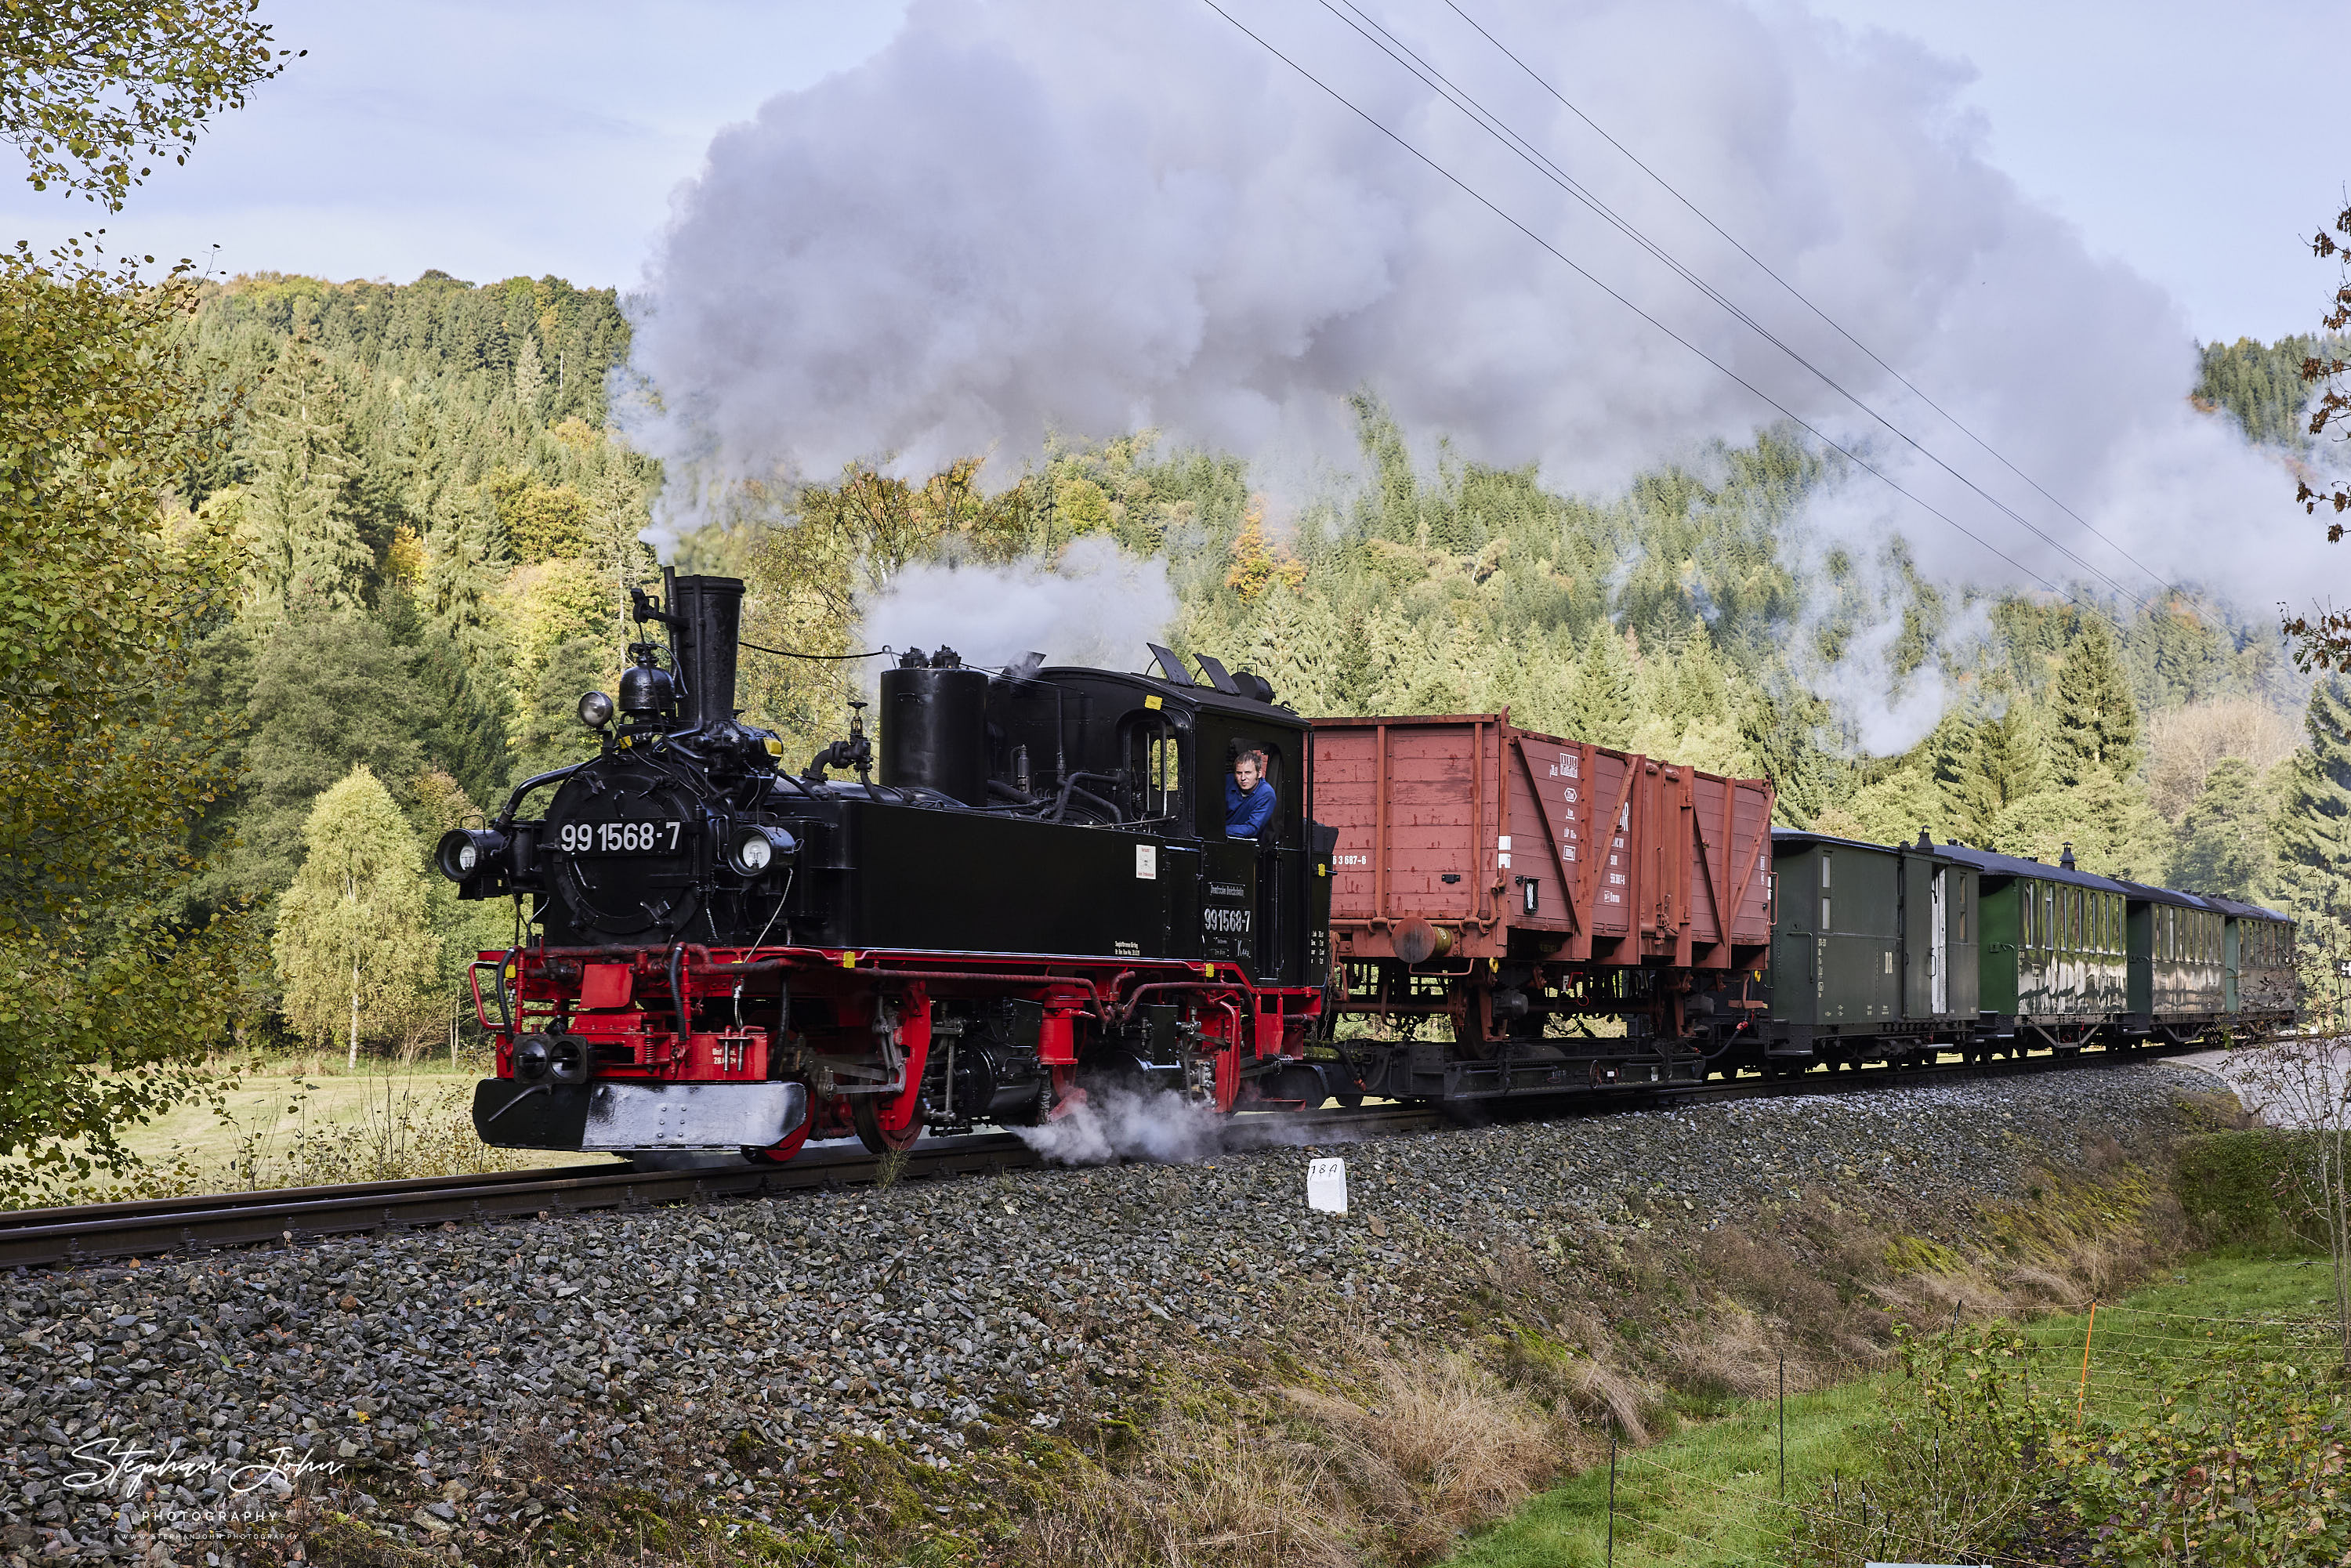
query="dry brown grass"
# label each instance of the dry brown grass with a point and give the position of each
(1733, 1354)
(1197, 1491)
(1430, 1446)
(1394, 1464)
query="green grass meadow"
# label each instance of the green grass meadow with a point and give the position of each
(1708, 1494)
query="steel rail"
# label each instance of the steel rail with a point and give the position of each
(49, 1237)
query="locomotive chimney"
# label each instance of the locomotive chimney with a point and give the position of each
(709, 612)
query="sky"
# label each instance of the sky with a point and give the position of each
(499, 137)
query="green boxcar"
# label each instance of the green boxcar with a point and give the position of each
(2055, 949)
(1873, 948)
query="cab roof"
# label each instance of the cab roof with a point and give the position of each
(1193, 696)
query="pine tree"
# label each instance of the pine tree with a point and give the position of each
(2107, 821)
(2096, 720)
(552, 736)
(2011, 756)
(330, 691)
(1295, 640)
(300, 524)
(1971, 794)
(529, 382)
(1370, 678)
(1600, 699)
(2312, 827)
(354, 951)
(2225, 841)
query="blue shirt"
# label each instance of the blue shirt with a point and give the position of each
(1247, 815)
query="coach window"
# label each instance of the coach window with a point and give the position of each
(2031, 928)
(1825, 855)
(1963, 910)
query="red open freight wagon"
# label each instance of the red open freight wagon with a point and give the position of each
(1520, 862)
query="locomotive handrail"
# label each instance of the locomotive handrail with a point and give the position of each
(527, 786)
(506, 1013)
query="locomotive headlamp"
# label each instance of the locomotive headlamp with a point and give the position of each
(464, 853)
(595, 710)
(754, 849)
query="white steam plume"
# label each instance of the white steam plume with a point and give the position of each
(1120, 1124)
(1021, 217)
(1099, 606)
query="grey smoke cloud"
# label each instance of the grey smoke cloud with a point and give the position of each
(1021, 218)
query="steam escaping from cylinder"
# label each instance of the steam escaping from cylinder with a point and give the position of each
(1116, 1123)
(1096, 605)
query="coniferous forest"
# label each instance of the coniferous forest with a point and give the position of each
(433, 529)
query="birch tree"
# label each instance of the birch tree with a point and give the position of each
(356, 952)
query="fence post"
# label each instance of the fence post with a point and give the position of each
(1612, 1492)
(2082, 1395)
(1783, 1428)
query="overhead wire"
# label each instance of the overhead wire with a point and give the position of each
(1364, 25)
(1801, 298)
(1759, 394)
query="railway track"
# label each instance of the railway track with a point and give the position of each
(50, 1237)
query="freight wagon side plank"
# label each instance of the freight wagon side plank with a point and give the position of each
(1604, 883)
(1346, 798)
(1751, 925)
(1561, 774)
(1433, 796)
(1709, 863)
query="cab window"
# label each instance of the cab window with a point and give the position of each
(1153, 767)
(1219, 749)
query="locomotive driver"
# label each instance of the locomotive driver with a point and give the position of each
(1248, 797)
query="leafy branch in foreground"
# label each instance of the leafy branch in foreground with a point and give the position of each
(2321, 639)
(106, 756)
(90, 87)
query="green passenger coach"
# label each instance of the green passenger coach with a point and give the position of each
(1874, 953)
(2055, 954)
(2259, 989)
(1898, 953)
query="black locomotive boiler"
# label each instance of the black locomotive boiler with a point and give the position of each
(1027, 887)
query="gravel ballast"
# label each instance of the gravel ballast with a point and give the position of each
(933, 1316)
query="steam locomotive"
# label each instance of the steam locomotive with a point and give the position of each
(1030, 893)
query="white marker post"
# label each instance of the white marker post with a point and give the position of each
(1326, 1186)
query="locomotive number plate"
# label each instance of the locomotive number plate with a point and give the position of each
(619, 837)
